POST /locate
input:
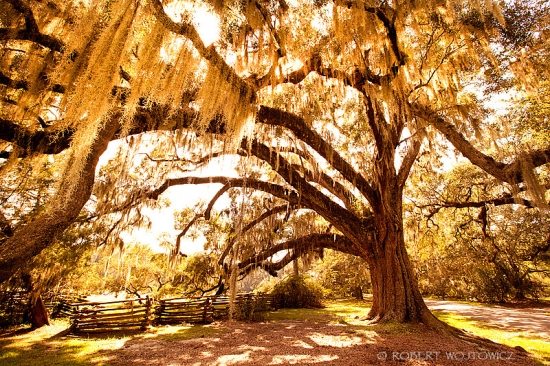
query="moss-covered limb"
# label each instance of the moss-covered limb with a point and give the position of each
(273, 211)
(311, 175)
(47, 141)
(187, 30)
(296, 124)
(513, 172)
(30, 239)
(344, 220)
(328, 183)
(24, 84)
(303, 194)
(408, 162)
(55, 139)
(31, 32)
(299, 246)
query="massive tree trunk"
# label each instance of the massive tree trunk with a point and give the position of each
(30, 239)
(396, 295)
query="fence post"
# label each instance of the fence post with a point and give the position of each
(158, 312)
(205, 311)
(147, 320)
(75, 316)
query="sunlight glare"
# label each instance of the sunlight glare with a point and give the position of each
(206, 22)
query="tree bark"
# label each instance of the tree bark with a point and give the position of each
(358, 292)
(37, 311)
(396, 295)
(30, 239)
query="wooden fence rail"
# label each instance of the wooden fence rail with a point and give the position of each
(14, 306)
(102, 316)
(184, 310)
(134, 313)
(203, 309)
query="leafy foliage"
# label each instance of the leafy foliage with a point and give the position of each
(251, 309)
(474, 240)
(343, 275)
(298, 292)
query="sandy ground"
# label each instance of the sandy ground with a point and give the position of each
(314, 343)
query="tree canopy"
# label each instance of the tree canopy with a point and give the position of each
(329, 104)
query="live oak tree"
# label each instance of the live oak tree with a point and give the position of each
(334, 99)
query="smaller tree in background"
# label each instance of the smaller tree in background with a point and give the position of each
(342, 274)
(477, 239)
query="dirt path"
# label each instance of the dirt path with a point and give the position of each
(314, 343)
(534, 320)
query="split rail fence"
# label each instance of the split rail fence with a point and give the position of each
(135, 313)
(204, 309)
(102, 316)
(142, 312)
(14, 306)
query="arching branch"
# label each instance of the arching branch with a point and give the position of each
(47, 141)
(285, 193)
(342, 219)
(53, 140)
(355, 79)
(327, 182)
(297, 247)
(31, 31)
(408, 162)
(511, 173)
(319, 177)
(176, 250)
(507, 199)
(277, 117)
(250, 225)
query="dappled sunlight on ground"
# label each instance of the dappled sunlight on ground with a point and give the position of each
(38, 346)
(303, 343)
(302, 359)
(335, 335)
(335, 341)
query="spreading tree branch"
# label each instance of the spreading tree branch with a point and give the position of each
(31, 31)
(277, 117)
(408, 162)
(187, 30)
(249, 226)
(297, 247)
(511, 172)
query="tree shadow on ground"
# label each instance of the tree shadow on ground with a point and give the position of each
(308, 342)
(329, 336)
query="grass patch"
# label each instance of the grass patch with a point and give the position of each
(339, 311)
(538, 346)
(183, 332)
(349, 312)
(42, 346)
